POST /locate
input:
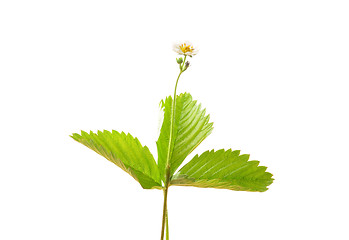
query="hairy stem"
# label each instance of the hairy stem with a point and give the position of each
(167, 230)
(164, 216)
(168, 170)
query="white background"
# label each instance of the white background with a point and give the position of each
(272, 74)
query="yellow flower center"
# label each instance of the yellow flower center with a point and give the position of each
(186, 48)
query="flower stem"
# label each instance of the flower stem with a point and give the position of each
(168, 170)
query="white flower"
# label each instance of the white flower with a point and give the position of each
(186, 49)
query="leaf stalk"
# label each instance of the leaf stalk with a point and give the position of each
(164, 216)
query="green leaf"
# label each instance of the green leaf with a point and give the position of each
(190, 127)
(126, 152)
(225, 170)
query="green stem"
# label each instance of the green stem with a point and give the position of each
(168, 170)
(167, 230)
(164, 215)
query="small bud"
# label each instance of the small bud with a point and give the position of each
(187, 64)
(179, 60)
